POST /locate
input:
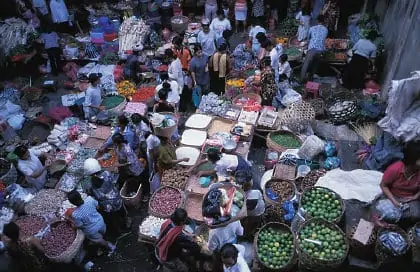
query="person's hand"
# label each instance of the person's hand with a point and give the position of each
(199, 173)
(408, 199)
(186, 159)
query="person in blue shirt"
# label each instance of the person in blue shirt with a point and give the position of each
(317, 36)
(125, 129)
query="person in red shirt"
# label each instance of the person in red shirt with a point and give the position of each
(401, 182)
(182, 52)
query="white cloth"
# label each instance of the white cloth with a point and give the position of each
(362, 185)
(173, 95)
(207, 42)
(224, 235)
(254, 31)
(59, 12)
(29, 167)
(260, 208)
(218, 27)
(303, 29)
(175, 73)
(284, 68)
(226, 164)
(241, 265)
(92, 98)
(365, 48)
(402, 117)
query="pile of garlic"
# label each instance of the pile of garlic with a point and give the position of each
(151, 226)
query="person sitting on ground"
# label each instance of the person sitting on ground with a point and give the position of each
(126, 130)
(284, 68)
(93, 98)
(172, 244)
(27, 255)
(31, 167)
(162, 105)
(87, 218)
(232, 259)
(166, 155)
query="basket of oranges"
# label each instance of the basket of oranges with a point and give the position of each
(126, 88)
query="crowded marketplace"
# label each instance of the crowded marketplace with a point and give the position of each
(209, 135)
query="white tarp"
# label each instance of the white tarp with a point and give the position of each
(358, 184)
(402, 118)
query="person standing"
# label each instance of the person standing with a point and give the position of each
(364, 53)
(304, 19)
(241, 12)
(317, 36)
(87, 218)
(254, 203)
(132, 65)
(182, 52)
(258, 9)
(125, 129)
(331, 12)
(199, 70)
(31, 167)
(50, 40)
(40, 6)
(255, 29)
(268, 83)
(175, 69)
(210, 9)
(219, 66)
(207, 39)
(220, 24)
(93, 99)
(163, 105)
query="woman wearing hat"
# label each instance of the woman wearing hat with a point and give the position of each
(92, 105)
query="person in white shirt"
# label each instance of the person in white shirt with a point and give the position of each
(220, 24)
(224, 235)
(284, 66)
(207, 39)
(255, 29)
(175, 69)
(31, 167)
(173, 95)
(93, 99)
(232, 259)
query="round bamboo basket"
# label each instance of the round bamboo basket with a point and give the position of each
(275, 146)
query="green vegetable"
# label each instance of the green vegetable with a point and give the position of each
(293, 51)
(286, 140)
(322, 203)
(274, 247)
(322, 242)
(111, 102)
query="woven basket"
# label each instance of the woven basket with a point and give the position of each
(297, 113)
(415, 245)
(68, 255)
(273, 211)
(241, 214)
(310, 179)
(30, 216)
(276, 147)
(284, 172)
(319, 106)
(254, 96)
(154, 213)
(131, 201)
(316, 264)
(347, 113)
(167, 131)
(356, 245)
(272, 202)
(383, 255)
(343, 206)
(284, 229)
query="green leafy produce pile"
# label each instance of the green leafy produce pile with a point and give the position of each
(286, 140)
(322, 242)
(109, 58)
(322, 203)
(293, 51)
(111, 102)
(275, 247)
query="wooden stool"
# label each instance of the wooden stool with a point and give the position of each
(312, 87)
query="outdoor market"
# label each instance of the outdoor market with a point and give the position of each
(241, 135)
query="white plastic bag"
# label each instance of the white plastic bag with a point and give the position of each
(154, 182)
(16, 121)
(312, 146)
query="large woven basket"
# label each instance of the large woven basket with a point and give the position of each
(299, 112)
(68, 255)
(272, 202)
(343, 206)
(415, 243)
(317, 264)
(154, 213)
(283, 228)
(276, 147)
(284, 172)
(383, 255)
(131, 201)
(347, 113)
(356, 245)
(241, 214)
(167, 131)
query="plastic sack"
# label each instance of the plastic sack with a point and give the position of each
(9, 109)
(196, 96)
(17, 196)
(312, 146)
(332, 163)
(388, 211)
(16, 121)
(154, 181)
(211, 207)
(394, 242)
(330, 149)
(290, 96)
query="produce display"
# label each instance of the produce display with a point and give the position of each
(151, 226)
(322, 241)
(237, 83)
(176, 177)
(340, 106)
(76, 164)
(220, 126)
(293, 52)
(59, 239)
(126, 88)
(108, 160)
(275, 247)
(310, 179)
(45, 202)
(250, 104)
(135, 107)
(29, 226)
(132, 32)
(110, 102)
(286, 140)
(322, 203)
(213, 104)
(165, 201)
(109, 58)
(15, 32)
(279, 190)
(143, 94)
